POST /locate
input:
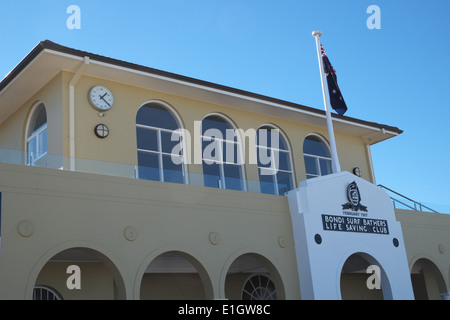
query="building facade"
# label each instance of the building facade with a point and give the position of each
(119, 181)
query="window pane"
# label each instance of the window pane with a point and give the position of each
(232, 177)
(167, 144)
(230, 152)
(265, 138)
(40, 118)
(156, 115)
(32, 147)
(266, 181)
(284, 180)
(147, 139)
(216, 122)
(211, 150)
(148, 166)
(211, 175)
(325, 167)
(284, 161)
(311, 166)
(173, 172)
(315, 146)
(42, 143)
(264, 157)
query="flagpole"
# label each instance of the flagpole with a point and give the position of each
(334, 156)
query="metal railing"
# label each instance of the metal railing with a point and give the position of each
(407, 202)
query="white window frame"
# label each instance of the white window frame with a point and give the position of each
(316, 157)
(160, 153)
(288, 152)
(48, 291)
(31, 159)
(221, 162)
(249, 280)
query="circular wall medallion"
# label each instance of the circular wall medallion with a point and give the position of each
(25, 229)
(101, 131)
(282, 242)
(214, 238)
(130, 233)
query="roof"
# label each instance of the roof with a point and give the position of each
(52, 47)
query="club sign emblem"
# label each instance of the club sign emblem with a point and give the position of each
(354, 199)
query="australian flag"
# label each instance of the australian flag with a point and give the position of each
(336, 99)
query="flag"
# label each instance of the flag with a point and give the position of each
(336, 99)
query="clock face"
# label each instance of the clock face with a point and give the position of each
(101, 98)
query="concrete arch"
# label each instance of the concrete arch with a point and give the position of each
(190, 255)
(371, 260)
(266, 262)
(99, 251)
(422, 261)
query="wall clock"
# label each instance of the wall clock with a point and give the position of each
(101, 98)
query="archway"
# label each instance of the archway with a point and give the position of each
(427, 280)
(253, 277)
(175, 275)
(81, 274)
(363, 278)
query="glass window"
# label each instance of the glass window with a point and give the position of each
(45, 293)
(159, 158)
(317, 157)
(259, 287)
(274, 161)
(36, 143)
(222, 165)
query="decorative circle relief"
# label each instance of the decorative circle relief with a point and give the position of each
(214, 238)
(25, 229)
(282, 242)
(130, 233)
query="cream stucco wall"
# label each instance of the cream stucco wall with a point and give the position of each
(120, 146)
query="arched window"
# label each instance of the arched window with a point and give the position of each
(259, 287)
(36, 142)
(221, 154)
(317, 157)
(274, 161)
(158, 140)
(45, 293)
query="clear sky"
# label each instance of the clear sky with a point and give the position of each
(395, 75)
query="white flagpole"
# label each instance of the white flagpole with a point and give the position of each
(334, 156)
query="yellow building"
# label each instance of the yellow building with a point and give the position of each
(119, 181)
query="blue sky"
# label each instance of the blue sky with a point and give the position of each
(395, 75)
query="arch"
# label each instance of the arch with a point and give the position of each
(270, 182)
(159, 157)
(427, 278)
(35, 141)
(243, 264)
(193, 262)
(222, 168)
(317, 156)
(101, 253)
(356, 263)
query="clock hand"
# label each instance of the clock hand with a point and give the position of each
(103, 98)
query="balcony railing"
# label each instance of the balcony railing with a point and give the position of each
(402, 202)
(126, 170)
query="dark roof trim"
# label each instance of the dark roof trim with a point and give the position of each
(57, 47)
